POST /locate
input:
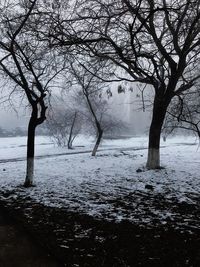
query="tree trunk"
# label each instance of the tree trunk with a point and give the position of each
(97, 124)
(159, 112)
(30, 153)
(98, 141)
(70, 139)
(69, 145)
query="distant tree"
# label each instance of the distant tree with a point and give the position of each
(94, 107)
(64, 124)
(184, 113)
(154, 42)
(18, 132)
(2, 132)
(28, 63)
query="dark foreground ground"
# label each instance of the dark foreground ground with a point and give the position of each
(80, 240)
(18, 249)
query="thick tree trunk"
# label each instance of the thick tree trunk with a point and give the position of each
(98, 141)
(159, 112)
(30, 153)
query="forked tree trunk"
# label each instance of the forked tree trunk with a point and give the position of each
(98, 141)
(159, 112)
(30, 153)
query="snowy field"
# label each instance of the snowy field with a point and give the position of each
(112, 185)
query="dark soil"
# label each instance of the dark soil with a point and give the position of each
(18, 249)
(80, 240)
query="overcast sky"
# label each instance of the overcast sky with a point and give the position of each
(9, 119)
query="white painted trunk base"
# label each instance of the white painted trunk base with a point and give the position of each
(153, 161)
(29, 171)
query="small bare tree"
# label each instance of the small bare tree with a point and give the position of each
(64, 125)
(184, 113)
(90, 95)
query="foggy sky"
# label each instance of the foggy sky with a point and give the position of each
(123, 105)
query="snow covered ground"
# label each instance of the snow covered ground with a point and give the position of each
(113, 185)
(15, 147)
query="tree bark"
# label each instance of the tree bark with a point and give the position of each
(70, 139)
(30, 153)
(159, 112)
(97, 124)
(98, 141)
(37, 107)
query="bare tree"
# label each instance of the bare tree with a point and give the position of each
(28, 64)
(184, 113)
(154, 42)
(95, 107)
(64, 124)
(90, 90)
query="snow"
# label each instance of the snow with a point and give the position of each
(15, 147)
(107, 186)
